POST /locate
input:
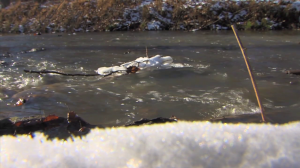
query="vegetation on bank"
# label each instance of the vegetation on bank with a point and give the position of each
(114, 15)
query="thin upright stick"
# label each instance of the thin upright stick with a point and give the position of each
(147, 52)
(250, 72)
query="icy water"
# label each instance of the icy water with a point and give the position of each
(211, 81)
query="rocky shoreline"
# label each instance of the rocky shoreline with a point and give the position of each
(140, 15)
(63, 128)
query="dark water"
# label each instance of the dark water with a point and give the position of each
(211, 82)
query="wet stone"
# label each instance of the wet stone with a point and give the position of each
(52, 125)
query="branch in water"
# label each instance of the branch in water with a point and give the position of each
(60, 73)
(131, 69)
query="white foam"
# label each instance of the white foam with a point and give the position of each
(198, 144)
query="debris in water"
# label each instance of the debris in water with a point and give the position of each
(52, 125)
(294, 72)
(3, 63)
(127, 52)
(6, 55)
(132, 69)
(20, 102)
(56, 126)
(158, 120)
(138, 64)
(33, 50)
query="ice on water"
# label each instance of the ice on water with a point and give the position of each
(156, 61)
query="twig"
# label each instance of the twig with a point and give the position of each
(60, 73)
(131, 69)
(250, 72)
(147, 52)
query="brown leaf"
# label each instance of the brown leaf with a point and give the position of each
(18, 123)
(50, 118)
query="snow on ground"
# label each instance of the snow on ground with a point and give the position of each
(183, 144)
(194, 4)
(238, 16)
(146, 2)
(133, 15)
(166, 7)
(154, 25)
(297, 6)
(158, 21)
(159, 17)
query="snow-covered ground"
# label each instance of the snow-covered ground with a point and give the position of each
(183, 144)
(162, 17)
(158, 22)
(297, 6)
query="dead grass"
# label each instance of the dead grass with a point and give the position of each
(102, 14)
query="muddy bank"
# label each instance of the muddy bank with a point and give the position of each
(116, 15)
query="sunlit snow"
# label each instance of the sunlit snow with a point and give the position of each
(183, 144)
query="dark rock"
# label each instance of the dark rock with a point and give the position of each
(158, 120)
(3, 63)
(52, 125)
(6, 55)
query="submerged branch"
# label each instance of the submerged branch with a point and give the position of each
(60, 73)
(131, 69)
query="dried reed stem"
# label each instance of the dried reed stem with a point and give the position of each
(250, 72)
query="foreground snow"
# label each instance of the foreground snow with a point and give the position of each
(197, 144)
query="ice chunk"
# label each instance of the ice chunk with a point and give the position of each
(141, 62)
(104, 70)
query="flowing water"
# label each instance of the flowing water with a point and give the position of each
(210, 79)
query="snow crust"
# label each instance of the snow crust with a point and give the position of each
(183, 144)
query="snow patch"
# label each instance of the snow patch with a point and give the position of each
(146, 2)
(21, 28)
(183, 144)
(297, 6)
(159, 17)
(153, 25)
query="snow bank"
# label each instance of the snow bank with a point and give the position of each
(183, 144)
